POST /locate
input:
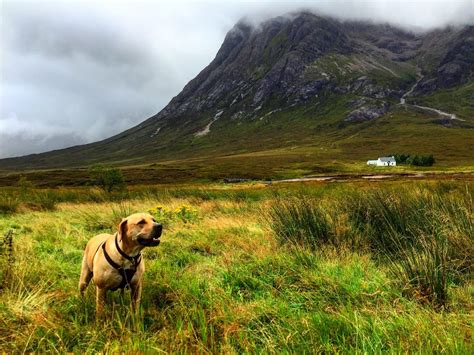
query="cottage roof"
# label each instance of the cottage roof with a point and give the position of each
(387, 159)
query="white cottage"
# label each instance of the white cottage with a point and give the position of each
(383, 161)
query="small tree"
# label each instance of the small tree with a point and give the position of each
(25, 185)
(107, 178)
(417, 160)
(428, 160)
(414, 160)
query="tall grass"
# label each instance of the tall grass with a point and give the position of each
(425, 271)
(9, 203)
(302, 222)
(426, 236)
(224, 284)
(45, 200)
(7, 258)
(97, 219)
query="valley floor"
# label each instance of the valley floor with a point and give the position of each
(240, 269)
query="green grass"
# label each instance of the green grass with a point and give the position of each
(225, 280)
(301, 222)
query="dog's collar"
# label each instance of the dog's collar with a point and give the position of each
(135, 260)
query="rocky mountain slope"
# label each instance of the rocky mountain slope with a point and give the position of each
(303, 80)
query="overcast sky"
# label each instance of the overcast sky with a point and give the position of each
(74, 72)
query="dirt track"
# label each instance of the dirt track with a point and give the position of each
(378, 177)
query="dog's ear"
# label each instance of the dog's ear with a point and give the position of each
(123, 228)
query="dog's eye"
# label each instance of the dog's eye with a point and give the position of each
(142, 222)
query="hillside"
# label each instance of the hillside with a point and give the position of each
(304, 94)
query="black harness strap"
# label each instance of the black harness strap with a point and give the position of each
(135, 260)
(127, 274)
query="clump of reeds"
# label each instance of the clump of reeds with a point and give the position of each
(45, 200)
(96, 218)
(9, 203)
(427, 238)
(301, 221)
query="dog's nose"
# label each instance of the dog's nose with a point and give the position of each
(157, 226)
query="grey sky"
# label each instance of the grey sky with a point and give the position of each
(74, 72)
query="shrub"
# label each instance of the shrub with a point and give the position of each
(25, 185)
(400, 158)
(301, 221)
(186, 213)
(416, 160)
(45, 200)
(108, 179)
(8, 203)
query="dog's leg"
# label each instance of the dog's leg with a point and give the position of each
(100, 297)
(136, 290)
(86, 276)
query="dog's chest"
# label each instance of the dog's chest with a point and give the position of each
(123, 278)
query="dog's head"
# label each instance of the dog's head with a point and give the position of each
(141, 228)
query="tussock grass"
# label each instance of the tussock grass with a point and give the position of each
(227, 282)
(97, 218)
(8, 203)
(45, 200)
(425, 271)
(301, 221)
(426, 236)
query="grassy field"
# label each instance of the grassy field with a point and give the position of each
(341, 267)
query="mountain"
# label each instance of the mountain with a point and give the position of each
(304, 93)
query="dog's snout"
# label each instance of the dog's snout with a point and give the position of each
(157, 227)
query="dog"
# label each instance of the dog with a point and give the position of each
(115, 261)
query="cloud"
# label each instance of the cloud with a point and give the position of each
(78, 71)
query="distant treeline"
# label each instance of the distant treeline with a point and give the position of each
(417, 160)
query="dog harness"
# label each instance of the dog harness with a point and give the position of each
(127, 274)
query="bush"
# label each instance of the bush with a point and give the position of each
(8, 203)
(25, 186)
(45, 200)
(302, 222)
(416, 160)
(400, 158)
(108, 179)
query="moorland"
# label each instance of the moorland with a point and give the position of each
(366, 266)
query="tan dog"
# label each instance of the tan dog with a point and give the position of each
(114, 261)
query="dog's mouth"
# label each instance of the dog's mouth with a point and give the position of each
(153, 241)
(150, 242)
